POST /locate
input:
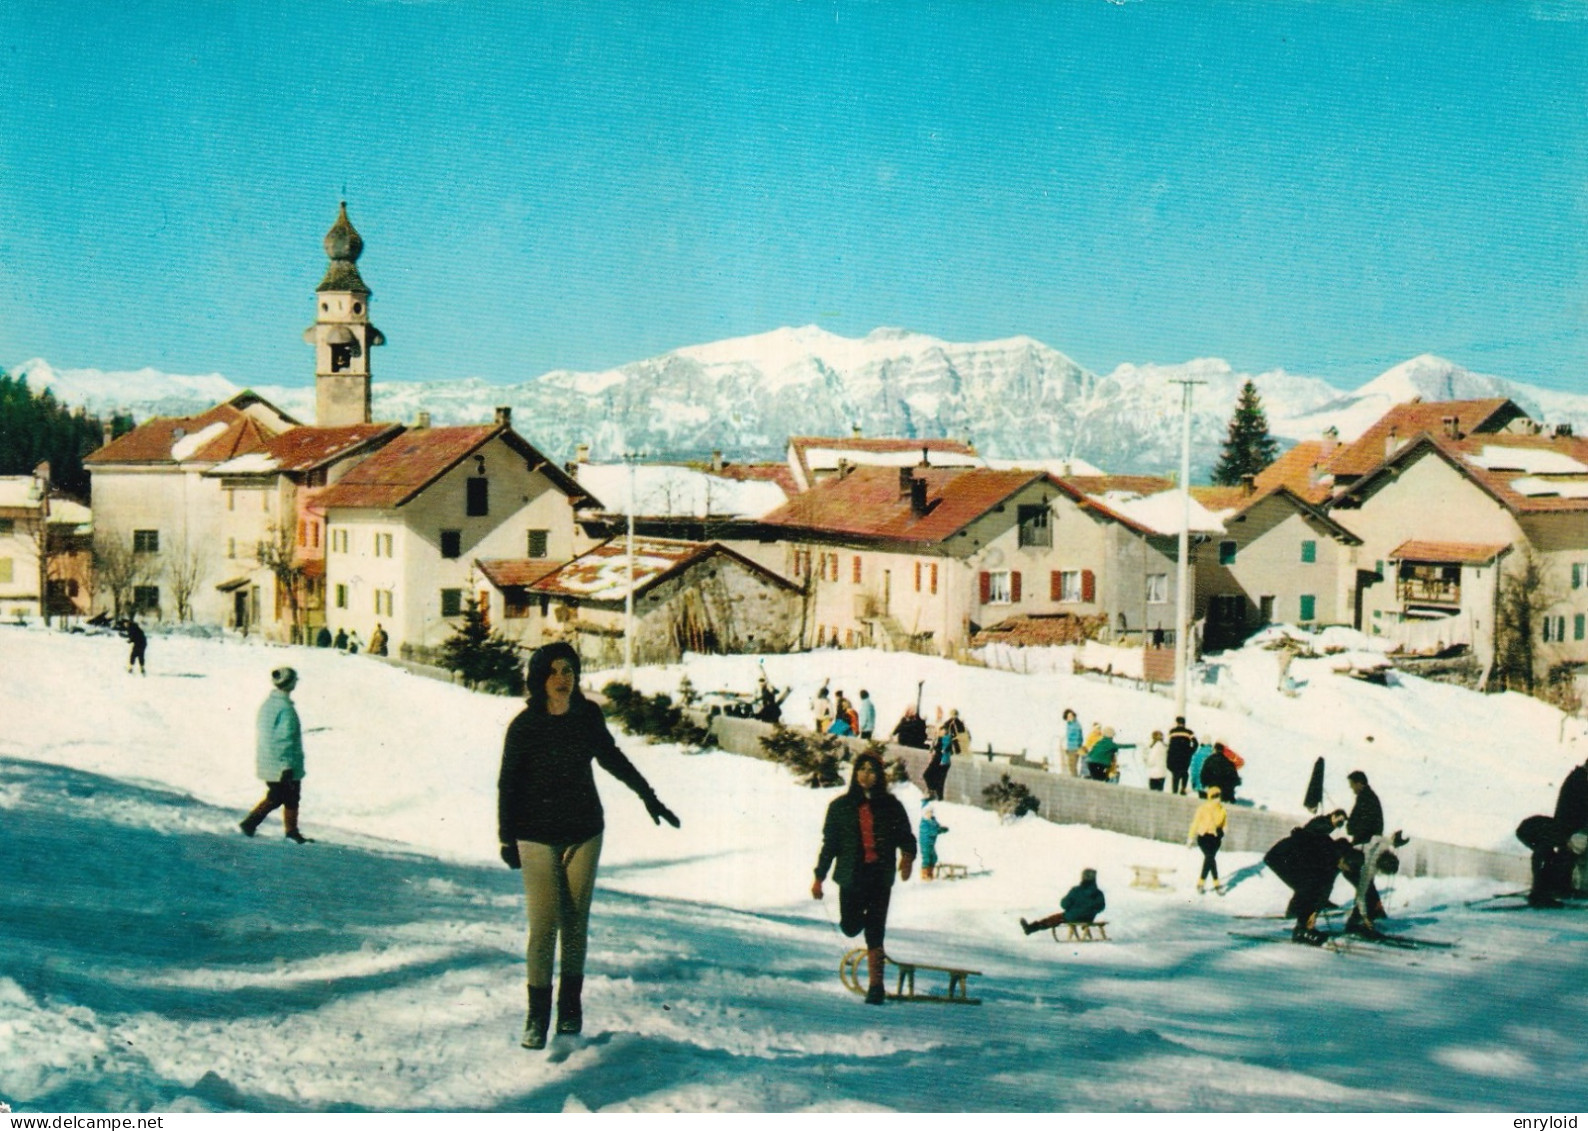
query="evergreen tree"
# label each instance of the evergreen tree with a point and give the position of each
(1248, 448)
(477, 653)
(35, 428)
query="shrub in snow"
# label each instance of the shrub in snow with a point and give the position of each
(1009, 799)
(816, 760)
(653, 716)
(486, 661)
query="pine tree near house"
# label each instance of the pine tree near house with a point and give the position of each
(1248, 448)
(484, 659)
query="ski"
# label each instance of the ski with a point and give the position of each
(1403, 942)
(1335, 944)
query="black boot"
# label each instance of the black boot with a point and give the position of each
(539, 1019)
(570, 1013)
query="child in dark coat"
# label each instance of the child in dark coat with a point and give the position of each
(1081, 904)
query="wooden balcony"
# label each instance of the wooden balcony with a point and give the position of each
(1428, 591)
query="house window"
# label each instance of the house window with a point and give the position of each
(231, 498)
(1035, 529)
(1578, 626)
(383, 546)
(341, 357)
(146, 541)
(933, 578)
(146, 598)
(855, 571)
(1226, 553)
(1554, 630)
(341, 596)
(303, 533)
(479, 497)
(1309, 607)
(383, 602)
(452, 602)
(1226, 609)
(8, 526)
(451, 543)
(1157, 588)
(1309, 550)
(1576, 573)
(538, 540)
(231, 547)
(314, 535)
(995, 587)
(515, 603)
(1066, 585)
(7, 570)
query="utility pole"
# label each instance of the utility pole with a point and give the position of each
(1182, 633)
(628, 589)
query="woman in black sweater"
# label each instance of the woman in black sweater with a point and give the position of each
(549, 822)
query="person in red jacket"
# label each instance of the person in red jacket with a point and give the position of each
(864, 830)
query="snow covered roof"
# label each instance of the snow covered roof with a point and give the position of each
(602, 573)
(1062, 468)
(667, 490)
(19, 491)
(252, 463)
(1533, 461)
(1165, 513)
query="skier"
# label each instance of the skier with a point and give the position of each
(868, 714)
(140, 646)
(1081, 904)
(550, 824)
(279, 757)
(911, 729)
(1220, 771)
(1367, 815)
(1377, 857)
(1308, 861)
(1207, 833)
(1182, 744)
(1157, 761)
(863, 830)
(929, 829)
(1073, 738)
(770, 708)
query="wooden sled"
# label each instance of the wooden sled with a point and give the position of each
(948, 872)
(1083, 932)
(849, 973)
(1149, 877)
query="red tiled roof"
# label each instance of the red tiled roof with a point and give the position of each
(404, 467)
(1407, 420)
(1502, 483)
(601, 573)
(1131, 484)
(1303, 469)
(1462, 553)
(510, 573)
(866, 503)
(800, 445)
(308, 447)
(777, 473)
(1222, 498)
(1039, 630)
(151, 442)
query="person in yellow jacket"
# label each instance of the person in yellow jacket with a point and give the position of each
(1207, 833)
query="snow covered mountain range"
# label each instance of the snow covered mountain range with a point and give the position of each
(1015, 397)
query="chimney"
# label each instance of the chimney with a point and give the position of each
(716, 459)
(581, 453)
(906, 478)
(924, 461)
(917, 497)
(421, 419)
(1248, 485)
(844, 468)
(504, 415)
(854, 431)
(1452, 426)
(1391, 442)
(1330, 443)
(107, 434)
(42, 473)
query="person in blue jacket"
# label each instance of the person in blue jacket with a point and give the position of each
(1081, 904)
(927, 831)
(1198, 757)
(279, 757)
(868, 714)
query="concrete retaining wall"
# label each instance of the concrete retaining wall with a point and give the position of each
(1136, 812)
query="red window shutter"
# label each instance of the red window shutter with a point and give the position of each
(857, 569)
(917, 577)
(1014, 586)
(1055, 586)
(986, 587)
(934, 577)
(1088, 585)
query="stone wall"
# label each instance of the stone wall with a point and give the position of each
(1138, 812)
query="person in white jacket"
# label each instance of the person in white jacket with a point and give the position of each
(1157, 761)
(279, 757)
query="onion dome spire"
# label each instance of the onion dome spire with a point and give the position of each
(343, 245)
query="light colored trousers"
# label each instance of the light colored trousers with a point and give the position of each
(559, 882)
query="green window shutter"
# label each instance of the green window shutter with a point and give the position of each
(1309, 606)
(1578, 626)
(1309, 551)
(1226, 553)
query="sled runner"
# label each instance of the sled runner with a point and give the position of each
(1083, 932)
(849, 973)
(949, 871)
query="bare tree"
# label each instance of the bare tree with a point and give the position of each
(119, 569)
(1525, 596)
(187, 566)
(278, 554)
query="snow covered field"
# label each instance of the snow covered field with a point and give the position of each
(152, 958)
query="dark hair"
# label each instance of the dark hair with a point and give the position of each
(1357, 776)
(540, 662)
(876, 764)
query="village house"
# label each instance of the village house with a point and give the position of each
(686, 597)
(923, 557)
(45, 549)
(405, 526)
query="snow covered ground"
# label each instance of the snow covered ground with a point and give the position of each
(152, 958)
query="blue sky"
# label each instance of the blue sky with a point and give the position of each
(1325, 187)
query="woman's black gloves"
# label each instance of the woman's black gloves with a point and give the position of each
(510, 855)
(660, 812)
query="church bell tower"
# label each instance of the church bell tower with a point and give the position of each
(342, 335)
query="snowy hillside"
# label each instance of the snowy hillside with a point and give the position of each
(1013, 398)
(152, 958)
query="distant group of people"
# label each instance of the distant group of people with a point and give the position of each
(1176, 761)
(345, 641)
